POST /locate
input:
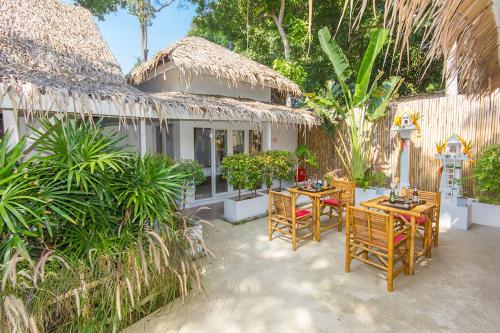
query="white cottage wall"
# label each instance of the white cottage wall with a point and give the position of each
(203, 84)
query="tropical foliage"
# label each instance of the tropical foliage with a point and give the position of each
(249, 27)
(242, 171)
(276, 165)
(355, 101)
(90, 237)
(487, 175)
(195, 175)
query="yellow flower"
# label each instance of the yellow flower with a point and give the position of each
(397, 121)
(440, 147)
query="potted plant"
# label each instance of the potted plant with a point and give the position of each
(486, 174)
(304, 156)
(243, 171)
(194, 177)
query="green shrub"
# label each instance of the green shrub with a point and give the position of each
(78, 223)
(378, 179)
(243, 171)
(486, 174)
(276, 165)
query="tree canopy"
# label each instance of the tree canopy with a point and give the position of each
(248, 27)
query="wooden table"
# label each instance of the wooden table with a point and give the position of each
(316, 197)
(416, 212)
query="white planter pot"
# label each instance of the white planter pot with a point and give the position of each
(454, 216)
(245, 210)
(485, 214)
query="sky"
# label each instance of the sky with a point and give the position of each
(121, 31)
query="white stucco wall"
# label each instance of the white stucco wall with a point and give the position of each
(173, 80)
(284, 138)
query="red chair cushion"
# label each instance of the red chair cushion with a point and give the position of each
(331, 202)
(302, 212)
(399, 238)
(420, 220)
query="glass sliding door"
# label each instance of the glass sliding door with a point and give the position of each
(203, 154)
(255, 138)
(220, 143)
(238, 142)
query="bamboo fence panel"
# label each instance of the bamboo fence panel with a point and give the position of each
(476, 120)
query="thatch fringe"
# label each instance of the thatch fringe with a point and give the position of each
(462, 31)
(197, 56)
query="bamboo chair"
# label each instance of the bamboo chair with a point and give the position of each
(329, 205)
(372, 239)
(432, 197)
(287, 220)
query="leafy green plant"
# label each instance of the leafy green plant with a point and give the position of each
(378, 179)
(306, 156)
(195, 175)
(276, 165)
(486, 174)
(243, 171)
(148, 189)
(354, 103)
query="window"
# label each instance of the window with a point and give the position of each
(220, 152)
(238, 142)
(255, 141)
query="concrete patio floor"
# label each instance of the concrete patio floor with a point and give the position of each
(259, 286)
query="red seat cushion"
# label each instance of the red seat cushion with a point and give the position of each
(399, 238)
(420, 220)
(302, 212)
(331, 202)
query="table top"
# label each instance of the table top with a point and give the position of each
(315, 194)
(415, 211)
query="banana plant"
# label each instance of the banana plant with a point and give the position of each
(354, 101)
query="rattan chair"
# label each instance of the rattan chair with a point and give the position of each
(429, 197)
(287, 220)
(329, 205)
(372, 238)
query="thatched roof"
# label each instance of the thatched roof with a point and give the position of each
(51, 48)
(470, 25)
(200, 56)
(179, 105)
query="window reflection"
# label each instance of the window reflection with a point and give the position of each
(255, 141)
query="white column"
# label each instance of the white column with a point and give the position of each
(143, 137)
(451, 73)
(267, 137)
(404, 164)
(10, 125)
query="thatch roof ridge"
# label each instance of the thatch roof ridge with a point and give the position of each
(200, 56)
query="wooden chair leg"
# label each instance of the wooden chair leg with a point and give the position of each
(294, 236)
(339, 217)
(435, 238)
(270, 229)
(407, 257)
(390, 271)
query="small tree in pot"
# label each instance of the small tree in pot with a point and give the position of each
(194, 176)
(242, 171)
(284, 165)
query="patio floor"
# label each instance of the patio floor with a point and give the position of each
(259, 286)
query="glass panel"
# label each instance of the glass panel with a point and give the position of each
(1, 124)
(203, 154)
(220, 153)
(159, 139)
(238, 142)
(255, 142)
(169, 140)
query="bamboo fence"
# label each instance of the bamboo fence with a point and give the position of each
(476, 120)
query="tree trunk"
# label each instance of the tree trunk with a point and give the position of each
(278, 20)
(144, 41)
